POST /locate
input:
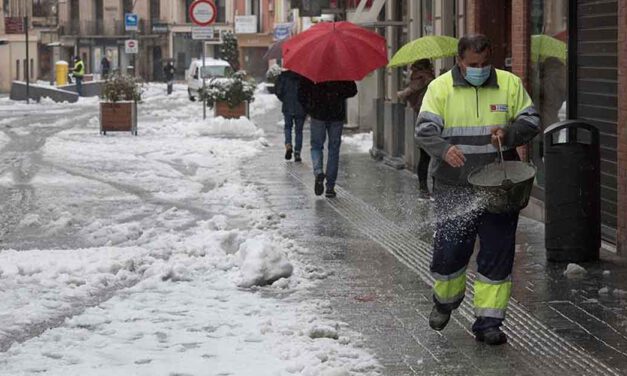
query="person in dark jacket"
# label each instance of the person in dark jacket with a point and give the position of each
(421, 76)
(287, 85)
(105, 67)
(168, 73)
(325, 102)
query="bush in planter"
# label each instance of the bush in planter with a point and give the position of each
(121, 87)
(118, 108)
(229, 95)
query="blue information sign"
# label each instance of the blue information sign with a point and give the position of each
(131, 20)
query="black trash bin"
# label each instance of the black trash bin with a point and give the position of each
(572, 192)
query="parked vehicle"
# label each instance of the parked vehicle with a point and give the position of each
(213, 68)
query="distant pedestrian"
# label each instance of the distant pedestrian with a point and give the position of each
(325, 102)
(287, 85)
(168, 73)
(420, 77)
(105, 67)
(78, 71)
(466, 114)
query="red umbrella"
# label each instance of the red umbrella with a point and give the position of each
(335, 51)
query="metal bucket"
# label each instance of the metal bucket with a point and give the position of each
(504, 192)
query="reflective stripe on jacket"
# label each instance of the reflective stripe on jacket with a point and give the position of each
(454, 112)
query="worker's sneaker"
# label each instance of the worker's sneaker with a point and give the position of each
(297, 157)
(438, 319)
(319, 185)
(288, 152)
(330, 193)
(491, 336)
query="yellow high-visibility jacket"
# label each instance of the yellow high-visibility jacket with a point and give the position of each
(456, 113)
(79, 69)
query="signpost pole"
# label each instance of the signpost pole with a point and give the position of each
(203, 13)
(27, 65)
(204, 86)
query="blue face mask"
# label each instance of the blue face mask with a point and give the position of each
(477, 76)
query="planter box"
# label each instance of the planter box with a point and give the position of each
(118, 117)
(223, 109)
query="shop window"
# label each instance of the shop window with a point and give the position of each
(549, 68)
(44, 8)
(155, 10)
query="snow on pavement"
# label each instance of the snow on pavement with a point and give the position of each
(362, 142)
(184, 269)
(4, 140)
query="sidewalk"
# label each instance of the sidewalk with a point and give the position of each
(374, 238)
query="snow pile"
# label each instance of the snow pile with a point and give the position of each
(360, 141)
(575, 271)
(262, 263)
(241, 127)
(4, 140)
(158, 234)
(263, 102)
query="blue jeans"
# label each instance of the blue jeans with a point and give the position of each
(79, 86)
(291, 121)
(319, 131)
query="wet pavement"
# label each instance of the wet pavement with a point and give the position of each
(372, 247)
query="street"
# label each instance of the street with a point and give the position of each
(195, 248)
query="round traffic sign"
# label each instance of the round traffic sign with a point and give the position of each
(130, 43)
(203, 12)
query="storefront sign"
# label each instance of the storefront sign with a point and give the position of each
(202, 32)
(282, 31)
(245, 24)
(160, 28)
(13, 25)
(131, 46)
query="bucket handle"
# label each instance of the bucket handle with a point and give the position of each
(502, 159)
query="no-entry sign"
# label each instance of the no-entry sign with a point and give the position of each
(203, 12)
(131, 46)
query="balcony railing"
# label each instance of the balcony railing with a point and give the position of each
(101, 28)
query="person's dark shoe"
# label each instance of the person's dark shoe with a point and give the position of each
(297, 157)
(438, 319)
(319, 186)
(492, 336)
(423, 194)
(330, 193)
(288, 152)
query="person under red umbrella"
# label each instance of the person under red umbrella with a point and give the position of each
(331, 56)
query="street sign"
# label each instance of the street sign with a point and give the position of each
(203, 12)
(131, 20)
(131, 46)
(245, 24)
(283, 30)
(202, 32)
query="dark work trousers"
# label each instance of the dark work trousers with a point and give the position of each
(460, 219)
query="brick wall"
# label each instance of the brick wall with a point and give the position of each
(520, 51)
(471, 15)
(622, 128)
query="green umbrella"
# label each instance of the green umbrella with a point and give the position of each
(429, 47)
(544, 46)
